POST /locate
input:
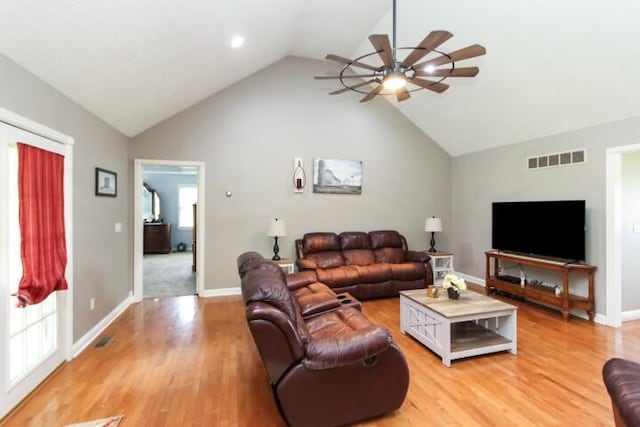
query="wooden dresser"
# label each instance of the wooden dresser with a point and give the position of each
(157, 238)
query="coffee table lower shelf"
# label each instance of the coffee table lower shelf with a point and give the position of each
(463, 336)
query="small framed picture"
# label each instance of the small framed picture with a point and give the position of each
(106, 183)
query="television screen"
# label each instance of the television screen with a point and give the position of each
(554, 229)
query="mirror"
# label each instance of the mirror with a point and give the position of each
(150, 204)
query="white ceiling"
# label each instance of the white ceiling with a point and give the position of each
(550, 66)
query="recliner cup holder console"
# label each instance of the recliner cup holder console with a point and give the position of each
(345, 301)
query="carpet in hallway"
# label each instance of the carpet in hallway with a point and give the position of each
(168, 275)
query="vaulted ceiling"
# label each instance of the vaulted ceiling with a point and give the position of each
(550, 67)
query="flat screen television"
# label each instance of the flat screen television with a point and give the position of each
(552, 229)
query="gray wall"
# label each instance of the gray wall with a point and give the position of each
(501, 175)
(166, 184)
(630, 240)
(102, 266)
(249, 134)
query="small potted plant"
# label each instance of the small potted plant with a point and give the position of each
(454, 285)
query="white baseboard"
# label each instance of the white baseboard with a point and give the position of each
(92, 334)
(208, 293)
(472, 279)
(630, 315)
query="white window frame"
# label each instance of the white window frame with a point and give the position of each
(189, 207)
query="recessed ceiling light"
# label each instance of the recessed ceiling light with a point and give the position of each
(237, 41)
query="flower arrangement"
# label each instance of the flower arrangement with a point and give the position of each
(454, 285)
(453, 281)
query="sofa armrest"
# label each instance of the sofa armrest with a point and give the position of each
(347, 348)
(306, 264)
(417, 256)
(317, 303)
(301, 279)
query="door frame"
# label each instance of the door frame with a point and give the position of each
(65, 309)
(614, 232)
(138, 244)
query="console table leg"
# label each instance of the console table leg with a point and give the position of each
(565, 315)
(591, 314)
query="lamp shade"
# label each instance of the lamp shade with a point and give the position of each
(433, 224)
(277, 228)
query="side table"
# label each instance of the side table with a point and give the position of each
(441, 264)
(288, 265)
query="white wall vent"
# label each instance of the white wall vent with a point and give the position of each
(553, 160)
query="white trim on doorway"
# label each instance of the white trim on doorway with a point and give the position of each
(614, 232)
(138, 225)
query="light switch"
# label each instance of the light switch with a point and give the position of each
(118, 227)
(636, 228)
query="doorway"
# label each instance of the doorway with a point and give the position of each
(164, 261)
(35, 339)
(614, 232)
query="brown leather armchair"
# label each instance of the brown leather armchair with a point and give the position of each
(622, 379)
(331, 369)
(367, 265)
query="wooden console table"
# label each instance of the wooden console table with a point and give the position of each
(565, 301)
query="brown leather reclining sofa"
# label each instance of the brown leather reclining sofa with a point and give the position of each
(332, 368)
(622, 379)
(366, 265)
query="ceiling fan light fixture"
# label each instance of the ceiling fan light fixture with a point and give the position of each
(394, 81)
(237, 41)
(429, 68)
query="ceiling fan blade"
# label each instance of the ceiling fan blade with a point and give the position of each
(350, 76)
(381, 44)
(428, 84)
(432, 41)
(345, 89)
(456, 72)
(464, 53)
(403, 94)
(353, 63)
(372, 94)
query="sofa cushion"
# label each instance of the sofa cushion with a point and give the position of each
(359, 256)
(354, 240)
(338, 277)
(328, 259)
(385, 239)
(408, 271)
(376, 273)
(342, 337)
(268, 286)
(390, 255)
(320, 242)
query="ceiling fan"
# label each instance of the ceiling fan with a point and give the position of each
(393, 76)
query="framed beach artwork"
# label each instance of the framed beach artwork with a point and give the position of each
(337, 176)
(106, 183)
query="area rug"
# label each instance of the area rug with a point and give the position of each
(104, 422)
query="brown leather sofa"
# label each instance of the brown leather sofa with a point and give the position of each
(331, 369)
(622, 379)
(366, 265)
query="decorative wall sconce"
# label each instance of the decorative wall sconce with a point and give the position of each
(299, 177)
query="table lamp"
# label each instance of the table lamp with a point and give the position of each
(277, 228)
(433, 225)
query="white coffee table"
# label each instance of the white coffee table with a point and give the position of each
(472, 325)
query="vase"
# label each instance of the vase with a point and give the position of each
(453, 293)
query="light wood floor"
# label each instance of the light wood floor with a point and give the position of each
(192, 362)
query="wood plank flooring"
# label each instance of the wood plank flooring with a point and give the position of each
(191, 362)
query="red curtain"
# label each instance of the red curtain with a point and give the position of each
(43, 250)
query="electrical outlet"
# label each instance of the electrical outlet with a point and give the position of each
(118, 227)
(636, 228)
(92, 304)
